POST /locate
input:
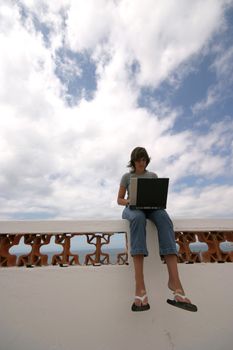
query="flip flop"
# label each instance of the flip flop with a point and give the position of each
(181, 304)
(140, 307)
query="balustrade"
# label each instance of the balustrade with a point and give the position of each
(99, 241)
(65, 258)
(212, 239)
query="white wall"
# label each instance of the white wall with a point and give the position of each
(88, 307)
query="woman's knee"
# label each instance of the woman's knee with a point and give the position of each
(162, 217)
(138, 217)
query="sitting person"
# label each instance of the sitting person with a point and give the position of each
(137, 219)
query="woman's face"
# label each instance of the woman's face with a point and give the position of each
(140, 165)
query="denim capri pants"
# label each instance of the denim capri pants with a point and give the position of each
(162, 221)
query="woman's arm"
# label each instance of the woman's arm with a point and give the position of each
(121, 196)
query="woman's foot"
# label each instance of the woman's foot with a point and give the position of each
(180, 300)
(141, 294)
(140, 302)
(179, 294)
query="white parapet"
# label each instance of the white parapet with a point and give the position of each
(86, 307)
(86, 226)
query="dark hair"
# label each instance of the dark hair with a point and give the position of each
(136, 154)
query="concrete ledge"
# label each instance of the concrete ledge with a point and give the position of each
(89, 307)
(203, 224)
(63, 226)
(87, 226)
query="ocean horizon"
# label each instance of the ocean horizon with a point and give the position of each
(113, 252)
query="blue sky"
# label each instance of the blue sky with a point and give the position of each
(83, 83)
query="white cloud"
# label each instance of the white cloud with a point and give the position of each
(223, 63)
(210, 201)
(88, 24)
(211, 98)
(157, 36)
(27, 69)
(67, 161)
(223, 69)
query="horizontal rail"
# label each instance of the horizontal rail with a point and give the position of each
(87, 226)
(63, 226)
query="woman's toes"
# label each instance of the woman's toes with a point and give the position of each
(179, 298)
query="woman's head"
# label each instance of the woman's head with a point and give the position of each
(138, 154)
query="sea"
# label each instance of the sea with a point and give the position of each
(113, 253)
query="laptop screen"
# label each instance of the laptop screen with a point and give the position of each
(152, 193)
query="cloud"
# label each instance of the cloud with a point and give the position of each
(211, 201)
(62, 161)
(223, 68)
(158, 38)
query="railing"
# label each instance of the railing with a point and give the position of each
(213, 242)
(39, 234)
(191, 235)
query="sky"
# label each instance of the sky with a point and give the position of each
(84, 82)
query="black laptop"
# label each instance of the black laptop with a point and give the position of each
(148, 193)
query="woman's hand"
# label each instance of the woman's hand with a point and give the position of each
(121, 196)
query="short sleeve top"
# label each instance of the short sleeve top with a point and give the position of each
(125, 180)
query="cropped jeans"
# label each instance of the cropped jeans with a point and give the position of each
(162, 221)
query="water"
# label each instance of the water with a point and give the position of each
(113, 252)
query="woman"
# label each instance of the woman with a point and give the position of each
(137, 218)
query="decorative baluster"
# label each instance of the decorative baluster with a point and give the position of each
(34, 258)
(7, 242)
(100, 240)
(212, 239)
(184, 239)
(65, 257)
(228, 256)
(122, 258)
